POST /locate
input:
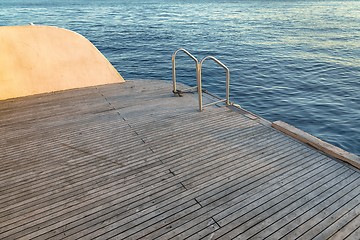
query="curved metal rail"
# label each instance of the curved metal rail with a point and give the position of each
(175, 91)
(199, 76)
(227, 99)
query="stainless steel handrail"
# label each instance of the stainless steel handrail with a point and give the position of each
(198, 77)
(174, 66)
(227, 99)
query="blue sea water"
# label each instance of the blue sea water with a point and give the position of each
(290, 60)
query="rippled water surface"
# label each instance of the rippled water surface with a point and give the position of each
(296, 61)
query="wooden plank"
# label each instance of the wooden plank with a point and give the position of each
(243, 215)
(125, 175)
(286, 170)
(216, 153)
(69, 213)
(80, 156)
(189, 229)
(96, 220)
(58, 196)
(210, 227)
(333, 212)
(139, 227)
(69, 147)
(200, 215)
(259, 194)
(354, 235)
(221, 168)
(347, 228)
(183, 131)
(339, 223)
(176, 198)
(305, 211)
(111, 169)
(200, 144)
(195, 216)
(317, 143)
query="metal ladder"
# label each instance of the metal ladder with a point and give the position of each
(199, 79)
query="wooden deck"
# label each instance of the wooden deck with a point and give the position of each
(130, 161)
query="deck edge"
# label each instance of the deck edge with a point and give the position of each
(317, 143)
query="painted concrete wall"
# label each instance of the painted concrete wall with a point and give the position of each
(39, 59)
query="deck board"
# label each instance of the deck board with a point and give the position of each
(130, 161)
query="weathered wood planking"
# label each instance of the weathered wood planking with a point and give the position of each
(318, 143)
(130, 161)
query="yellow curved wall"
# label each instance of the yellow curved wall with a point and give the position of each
(39, 59)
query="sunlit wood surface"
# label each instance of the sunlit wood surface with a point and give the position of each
(130, 161)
